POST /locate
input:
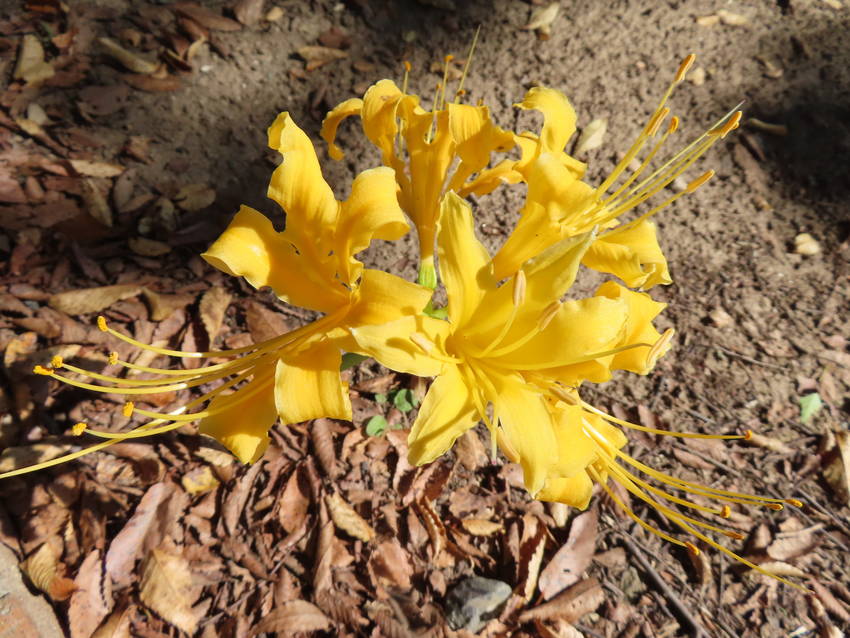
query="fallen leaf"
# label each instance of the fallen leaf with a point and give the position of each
(194, 197)
(264, 323)
(390, 562)
(96, 169)
(166, 588)
(569, 562)
(837, 467)
(148, 247)
(774, 445)
(321, 436)
(116, 626)
(162, 306)
(294, 501)
(347, 519)
(205, 17)
(30, 65)
(317, 56)
(805, 244)
(199, 480)
(92, 599)
(591, 136)
(211, 308)
(96, 203)
(152, 84)
(44, 570)
(732, 19)
(481, 526)
(293, 616)
(274, 14)
(249, 12)
(834, 606)
(780, 568)
(543, 17)
(128, 59)
(530, 560)
(86, 300)
(578, 600)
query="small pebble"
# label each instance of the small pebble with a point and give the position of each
(805, 244)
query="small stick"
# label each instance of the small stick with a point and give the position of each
(742, 357)
(677, 604)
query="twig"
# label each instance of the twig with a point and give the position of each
(742, 357)
(678, 606)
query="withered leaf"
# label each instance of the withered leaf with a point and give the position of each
(30, 66)
(96, 203)
(152, 84)
(89, 168)
(45, 571)
(116, 626)
(199, 480)
(317, 56)
(294, 501)
(578, 600)
(86, 300)
(836, 607)
(206, 17)
(292, 616)
(481, 526)
(390, 562)
(249, 12)
(195, 197)
(530, 560)
(92, 601)
(212, 307)
(321, 436)
(162, 306)
(148, 247)
(570, 561)
(347, 519)
(166, 588)
(128, 59)
(591, 136)
(264, 323)
(837, 469)
(543, 17)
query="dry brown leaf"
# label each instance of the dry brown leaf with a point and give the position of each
(389, 561)
(837, 467)
(264, 323)
(199, 480)
(578, 600)
(321, 436)
(470, 451)
(531, 558)
(162, 306)
(434, 526)
(591, 136)
(194, 197)
(92, 601)
(89, 168)
(152, 84)
(96, 203)
(348, 520)
(206, 17)
(30, 66)
(569, 562)
(481, 526)
(116, 626)
(128, 59)
(166, 588)
(780, 568)
(543, 17)
(708, 21)
(212, 307)
(317, 56)
(834, 606)
(21, 346)
(792, 544)
(274, 14)
(732, 19)
(86, 300)
(249, 12)
(294, 501)
(293, 616)
(148, 247)
(774, 445)
(827, 628)
(45, 571)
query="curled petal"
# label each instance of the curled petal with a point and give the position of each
(631, 253)
(574, 491)
(475, 137)
(330, 124)
(559, 116)
(308, 386)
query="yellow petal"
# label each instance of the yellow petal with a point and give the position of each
(332, 120)
(631, 253)
(370, 212)
(490, 179)
(308, 386)
(528, 426)
(382, 297)
(576, 448)
(559, 116)
(298, 186)
(464, 262)
(391, 344)
(638, 328)
(243, 428)
(475, 137)
(574, 491)
(379, 118)
(446, 413)
(250, 247)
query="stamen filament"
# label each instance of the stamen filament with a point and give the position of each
(460, 92)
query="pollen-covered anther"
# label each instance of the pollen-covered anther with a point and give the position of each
(699, 181)
(422, 341)
(738, 536)
(519, 288)
(655, 122)
(776, 506)
(56, 362)
(78, 428)
(101, 323)
(407, 66)
(726, 511)
(693, 549)
(113, 358)
(128, 408)
(42, 371)
(448, 58)
(674, 125)
(748, 435)
(729, 125)
(686, 64)
(794, 502)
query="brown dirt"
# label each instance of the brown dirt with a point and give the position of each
(730, 248)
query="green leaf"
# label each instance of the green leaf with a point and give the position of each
(377, 425)
(381, 398)
(351, 359)
(810, 405)
(404, 400)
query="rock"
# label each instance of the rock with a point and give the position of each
(473, 601)
(21, 612)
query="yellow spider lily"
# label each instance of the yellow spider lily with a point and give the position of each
(432, 152)
(560, 205)
(296, 376)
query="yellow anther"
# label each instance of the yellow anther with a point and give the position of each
(78, 428)
(407, 66)
(548, 314)
(128, 408)
(113, 358)
(658, 348)
(699, 181)
(101, 323)
(519, 288)
(726, 512)
(730, 125)
(736, 535)
(794, 502)
(655, 122)
(693, 549)
(56, 362)
(674, 124)
(684, 66)
(42, 371)
(776, 506)
(448, 58)
(422, 342)
(748, 435)
(460, 92)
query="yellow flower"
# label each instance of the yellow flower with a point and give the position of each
(431, 151)
(559, 204)
(296, 376)
(506, 346)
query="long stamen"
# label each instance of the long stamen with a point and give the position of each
(460, 92)
(519, 283)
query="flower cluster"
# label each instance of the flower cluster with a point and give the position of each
(512, 347)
